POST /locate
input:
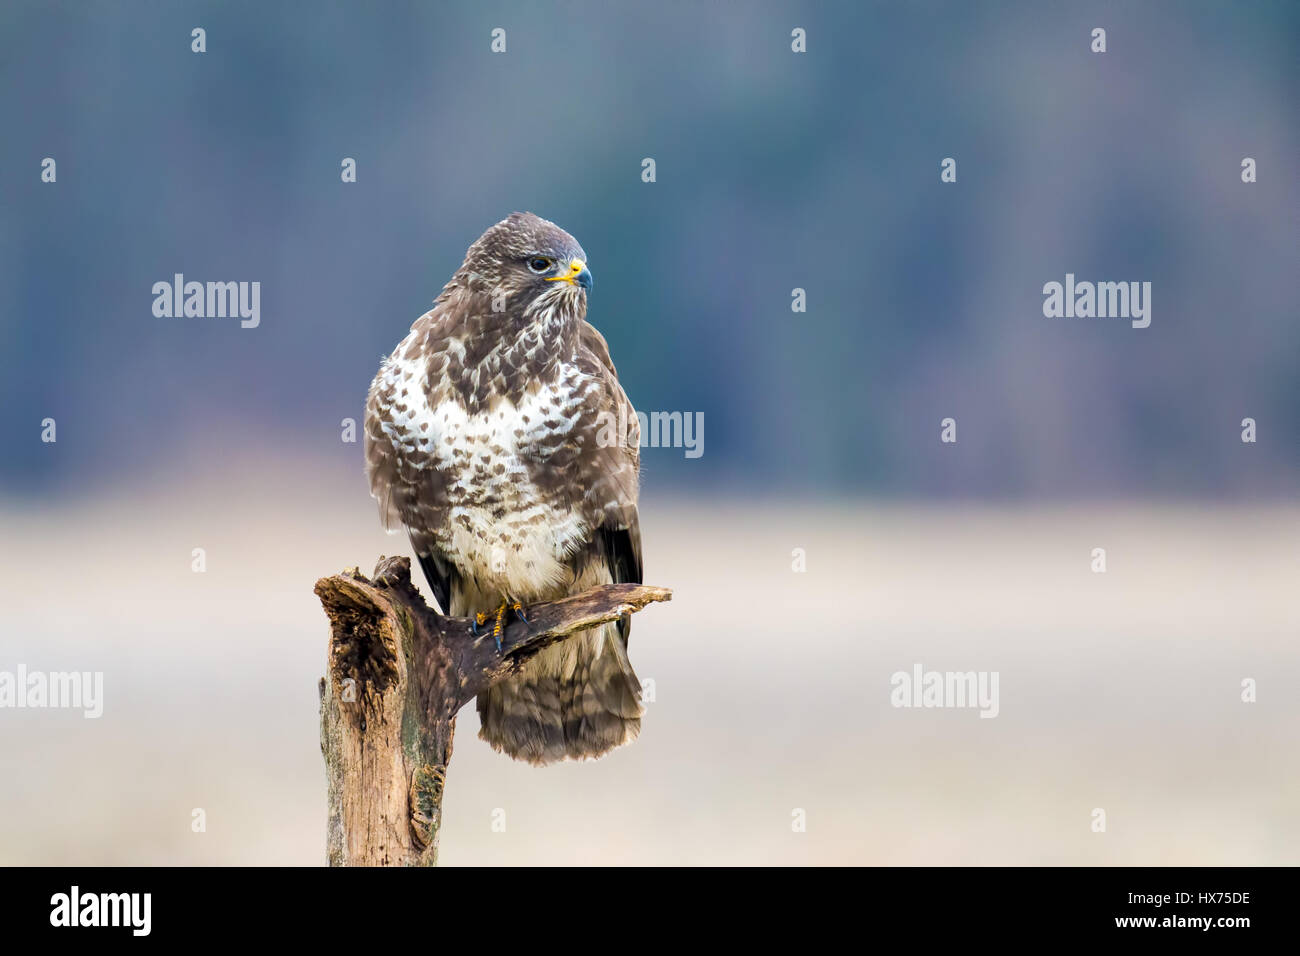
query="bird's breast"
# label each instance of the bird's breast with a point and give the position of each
(511, 520)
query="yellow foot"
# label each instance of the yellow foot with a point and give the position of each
(498, 618)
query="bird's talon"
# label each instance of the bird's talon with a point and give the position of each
(499, 617)
(499, 624)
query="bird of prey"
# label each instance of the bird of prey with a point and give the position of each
(499, 438)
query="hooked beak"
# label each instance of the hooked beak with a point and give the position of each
(578, 272)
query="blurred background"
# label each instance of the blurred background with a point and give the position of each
(775, 170)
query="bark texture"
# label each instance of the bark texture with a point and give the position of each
(397, 674)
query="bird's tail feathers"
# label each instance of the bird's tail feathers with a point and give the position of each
(574, 700)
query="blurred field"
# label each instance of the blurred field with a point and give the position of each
(1118, 691)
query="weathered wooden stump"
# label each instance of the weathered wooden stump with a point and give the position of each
(398, 673)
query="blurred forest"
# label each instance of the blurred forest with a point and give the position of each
(774, 170)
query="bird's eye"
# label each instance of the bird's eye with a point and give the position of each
(540, 264)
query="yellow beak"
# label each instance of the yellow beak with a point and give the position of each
(578, 273)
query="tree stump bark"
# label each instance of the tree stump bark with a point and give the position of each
(396, 676)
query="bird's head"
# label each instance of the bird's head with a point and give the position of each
(534, 263)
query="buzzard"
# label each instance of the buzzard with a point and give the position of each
(488, 440)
